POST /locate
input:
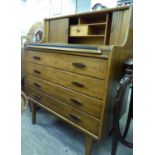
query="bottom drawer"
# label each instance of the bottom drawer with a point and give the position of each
(79, 118)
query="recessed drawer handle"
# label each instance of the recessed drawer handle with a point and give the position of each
(74, 117)
(37, 85)
(78, 84)
(75, 101)
(78, 65)
(36, 58)
(36, 71)
(37, 97)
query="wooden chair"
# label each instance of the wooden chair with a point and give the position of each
(126, 81)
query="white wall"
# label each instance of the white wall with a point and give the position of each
(62, 7)
(32, 12)
(36, 10)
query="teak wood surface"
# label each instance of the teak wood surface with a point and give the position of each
(79, 86)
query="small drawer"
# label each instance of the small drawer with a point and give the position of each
(83, 84)
(81, 30)
(83, 120)
(93, 67)
(79, 101)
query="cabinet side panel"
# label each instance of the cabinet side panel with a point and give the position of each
(118, 55)
(120, 26)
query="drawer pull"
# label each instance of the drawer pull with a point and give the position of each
(75, 101)
(36, 71)
(37, 85)
(37, 97)
(78, 65)
(74, 117)
(78, 84)
(78, 30)
(36, 58)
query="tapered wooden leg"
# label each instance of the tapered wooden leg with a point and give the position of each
(89, 142)
(33, 113)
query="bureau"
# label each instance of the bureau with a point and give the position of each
(73, 73)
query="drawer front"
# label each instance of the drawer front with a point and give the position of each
(93, 67)
(79, 101)
(83, 120)
(83, 84)
(79, 30)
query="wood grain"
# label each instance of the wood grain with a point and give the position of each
(66, 79)
(93, 67)
(58, 30)
(120, 26)
(89, 142)
(80, 30)
(85, 121)
(88, 104)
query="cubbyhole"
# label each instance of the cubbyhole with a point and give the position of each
(96, 29)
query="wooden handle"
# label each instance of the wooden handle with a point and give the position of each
(78, 84)
(36, 71)
(78, 30)
(36, 58)
(76, 101)
(37, 97)
(37, 85)
(78, 65)
(74, 117)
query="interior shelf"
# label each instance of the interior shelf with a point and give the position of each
(92, 24)
(89, 29)
(100, 18)
(89, 36)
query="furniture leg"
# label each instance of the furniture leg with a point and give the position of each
(33, 113)
(89, 142)
(111, 132)
(115, 133)
(114, 143)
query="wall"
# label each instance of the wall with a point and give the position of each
(62, 7)
(83, 5)
(36, 10)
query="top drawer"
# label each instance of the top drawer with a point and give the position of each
(81, 30)
(92, 67)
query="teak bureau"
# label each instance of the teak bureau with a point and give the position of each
(73, 73)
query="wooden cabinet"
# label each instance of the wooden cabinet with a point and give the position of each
(74, 72)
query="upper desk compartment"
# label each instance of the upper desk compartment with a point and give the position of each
(92, 29)
(105, 27)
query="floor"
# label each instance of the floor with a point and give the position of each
(51, 136)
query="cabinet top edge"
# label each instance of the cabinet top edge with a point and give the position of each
(91, 12)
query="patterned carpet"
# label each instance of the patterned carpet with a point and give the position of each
(51, 136)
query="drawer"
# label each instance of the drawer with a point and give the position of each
(79, 101)
(83, 84)
(83, 120)
(93, 67)
(79, 30)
